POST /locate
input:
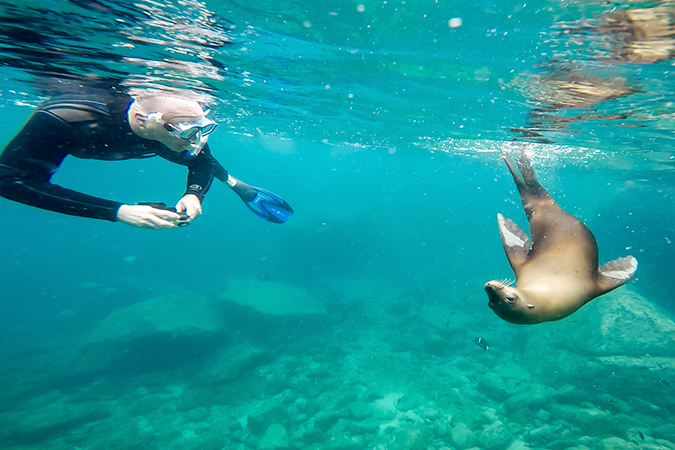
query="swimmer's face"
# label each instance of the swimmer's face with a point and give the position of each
(179, 124)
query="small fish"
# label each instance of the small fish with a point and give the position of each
(479, 341)
(633, 439)
(129, 259)
(664, 382)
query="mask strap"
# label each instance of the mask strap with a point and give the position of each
(149, 117)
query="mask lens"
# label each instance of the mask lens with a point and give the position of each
(207, 129)
(189, 133)
(189, 130)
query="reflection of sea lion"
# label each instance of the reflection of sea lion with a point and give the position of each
(641, 35)
(558, 273)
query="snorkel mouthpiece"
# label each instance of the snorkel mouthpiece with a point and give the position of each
(196, 147)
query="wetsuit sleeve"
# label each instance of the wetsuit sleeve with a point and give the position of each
(30, 160)
(200, 170)
(200, 174)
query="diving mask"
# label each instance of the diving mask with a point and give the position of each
(195, 131)
(191, 130)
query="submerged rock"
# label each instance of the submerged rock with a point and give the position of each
(536, 396)
(621, 334)
(272, 297)
(167, 331)
(360, 410)
(616, 443)
(462, 436)
(385, 408)
(665, 431)
(492, 385)
(275, 437)
(268, 311)
(495, 436)
(50, 422)
(404, 438)
(619, 323)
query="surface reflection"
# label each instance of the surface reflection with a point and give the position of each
(142, 43)
(597, 71)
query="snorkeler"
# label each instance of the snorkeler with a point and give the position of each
(117, 126)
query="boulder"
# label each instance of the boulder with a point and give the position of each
(230, 363)
(616, 443)
(619, 323)
(492, 385)
(620, 333)
(166, 331)
(495, 436)
(275, 437)
(462, 436)
(50, 422)
(536, 396)
(258, 421)
(409, 436)
(273, 297)
(360, 410)
(267, 310)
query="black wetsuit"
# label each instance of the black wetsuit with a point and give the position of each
(85, 126)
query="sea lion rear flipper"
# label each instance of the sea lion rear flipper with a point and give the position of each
(515, 241)
(615, 273)
(530, 177)
(527, 184)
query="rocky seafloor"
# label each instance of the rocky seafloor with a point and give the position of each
(346, 365)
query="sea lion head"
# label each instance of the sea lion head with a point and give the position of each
(509, 303)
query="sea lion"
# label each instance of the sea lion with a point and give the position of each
(558, 272)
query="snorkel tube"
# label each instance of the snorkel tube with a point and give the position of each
(263, 203)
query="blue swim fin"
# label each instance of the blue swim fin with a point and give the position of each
(269, 206)
(263, 203)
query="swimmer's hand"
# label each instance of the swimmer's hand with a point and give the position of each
(145, 216)
(190, 206)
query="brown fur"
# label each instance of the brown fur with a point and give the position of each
(558, 273)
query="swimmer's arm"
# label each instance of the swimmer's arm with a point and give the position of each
(200, 172)
(30, 160)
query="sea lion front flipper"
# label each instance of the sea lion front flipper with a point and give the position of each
(615, 273)
(515, 241)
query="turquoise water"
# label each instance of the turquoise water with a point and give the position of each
(352, 326)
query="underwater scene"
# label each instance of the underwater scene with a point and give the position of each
(362, 321)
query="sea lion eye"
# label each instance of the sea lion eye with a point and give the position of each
(511, 299)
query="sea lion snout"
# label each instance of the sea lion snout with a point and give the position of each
(508, 303)
(493, 289)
